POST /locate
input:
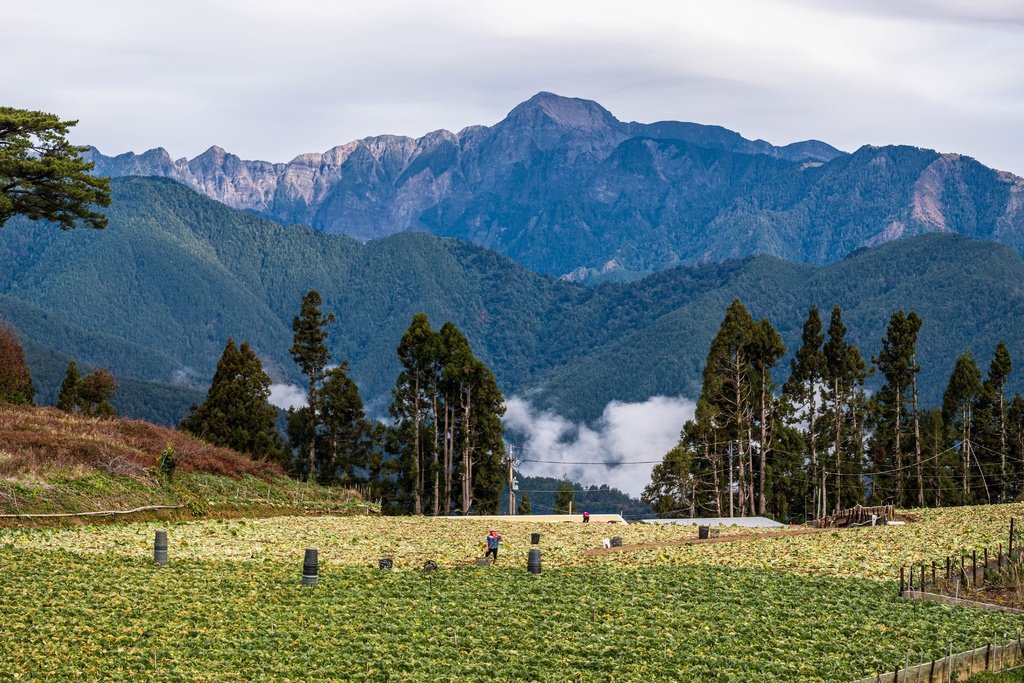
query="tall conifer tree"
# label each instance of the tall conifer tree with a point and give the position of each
(958, 404)
(309, 351)
(805, 378)
(236, 413)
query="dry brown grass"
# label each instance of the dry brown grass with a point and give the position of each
(36, 441)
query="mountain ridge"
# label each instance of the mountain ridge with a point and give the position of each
(186, 272)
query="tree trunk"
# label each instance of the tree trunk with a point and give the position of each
(449, 457)
(897, 498)
(417, 496)
(750, 463)
(312, 430)
(817, 493)
(1002, 447)
(437, 472)
(764, 446)
(837, 407)
(965, 450)
(467, 452)
(917, 446)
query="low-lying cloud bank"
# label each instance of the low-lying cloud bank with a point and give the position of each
(625, 433)
(286, 396)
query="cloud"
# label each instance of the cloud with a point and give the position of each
(625, 433)
(936, 73)
(286, 396)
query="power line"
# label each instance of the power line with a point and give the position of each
(606, 464)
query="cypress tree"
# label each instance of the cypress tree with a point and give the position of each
(843, 375)
(347, 432)
(310, 353)
(958, 403)
(805, 376)
(411, 403)
(990, 421)
(68, 399)
(897, 362)
(766, 349)
(236, 413)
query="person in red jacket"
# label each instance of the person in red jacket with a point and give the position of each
(493, 539)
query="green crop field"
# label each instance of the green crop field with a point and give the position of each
(88, 603)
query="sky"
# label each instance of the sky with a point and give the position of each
(269, 80)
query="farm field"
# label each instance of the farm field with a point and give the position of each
(87, 602)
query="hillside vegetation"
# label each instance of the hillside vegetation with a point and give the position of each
(54, 462)
(187, 272)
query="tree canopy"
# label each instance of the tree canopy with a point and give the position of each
(236, 413)
(15, 380)
(43, 176)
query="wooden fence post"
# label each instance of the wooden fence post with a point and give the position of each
(1011, 538)
(901, 582)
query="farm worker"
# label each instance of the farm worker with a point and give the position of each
(586, 516)
(493, 539)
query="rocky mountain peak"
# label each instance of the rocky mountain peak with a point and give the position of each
(566, 112)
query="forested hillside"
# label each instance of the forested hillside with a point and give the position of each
(154, 296)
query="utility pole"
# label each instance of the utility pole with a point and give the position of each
(513, 485)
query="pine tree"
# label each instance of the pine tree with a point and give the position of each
(564, 498)
(15, 379)
(310, 353)
(958, 403)
(68, 399)
(236, 413)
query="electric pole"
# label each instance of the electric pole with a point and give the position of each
(513, 484)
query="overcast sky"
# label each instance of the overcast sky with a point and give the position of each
(270, 79)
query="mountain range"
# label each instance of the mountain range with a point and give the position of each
(566, 189)
(155, 295)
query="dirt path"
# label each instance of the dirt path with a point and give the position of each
(799, 531)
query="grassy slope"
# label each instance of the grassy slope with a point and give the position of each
(54, 462)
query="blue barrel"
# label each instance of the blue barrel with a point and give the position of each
(160, 548)
(534, 538)
(703, 532)
(309, 567)
(533, 562)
